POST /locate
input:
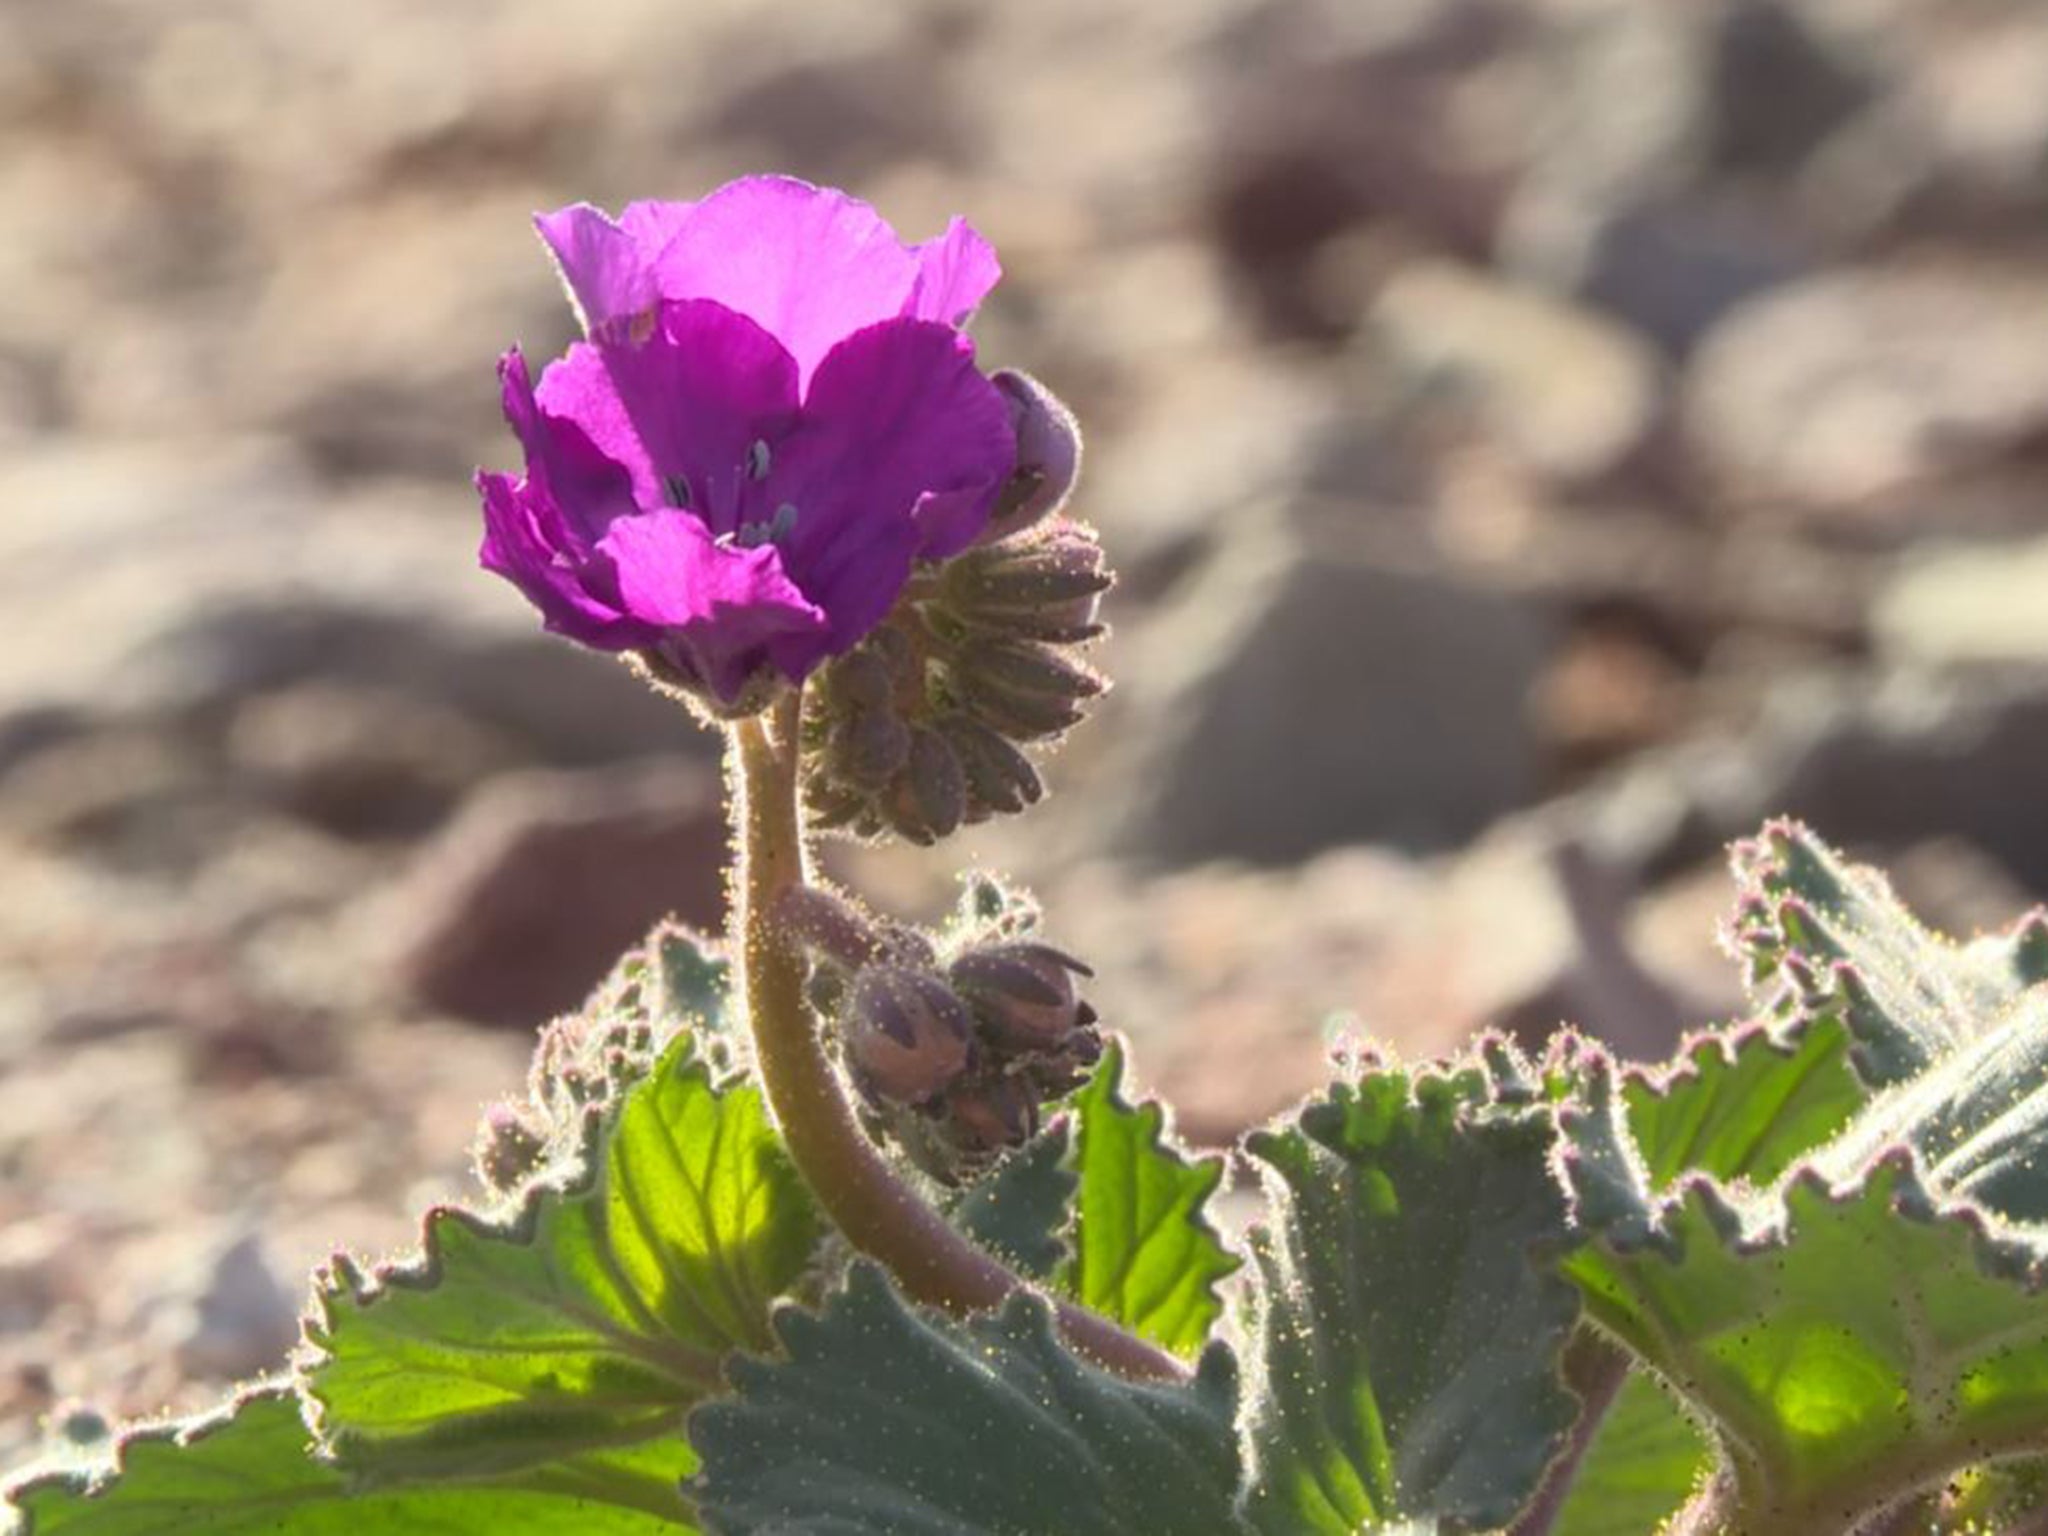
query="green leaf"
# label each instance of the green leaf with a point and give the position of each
(1978, 1118)
(693, 979)
(247, 1471)
(1645, 1460)
(1408, 1340)
(594, 1316)
(1017, 1208)
(884, 1422)
(1847, 1342)
(1743, 1104)
(1143, 1252)
(1826, 938)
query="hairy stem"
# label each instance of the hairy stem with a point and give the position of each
(879, 1214)
(1594, 1369)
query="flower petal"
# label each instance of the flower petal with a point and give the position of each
(565, 468)
(898, 426)
(603, 265)
(954, 274)
(722, 609)
(654, 223)
(524, 542)
(682, 409)
(808, 264)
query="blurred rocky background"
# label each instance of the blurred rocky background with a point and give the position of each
(1540, 438)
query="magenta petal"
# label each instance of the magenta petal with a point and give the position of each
(954, 274)
(720, 607)
(809, 265)
(653, 224)
(524, 543)
(564, 466)
(603, 266)
(682, 409)
(898, 425)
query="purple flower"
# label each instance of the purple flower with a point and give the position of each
(774, 415)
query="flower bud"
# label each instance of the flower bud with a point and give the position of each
(832, 805)
(1058, 1074)
(999, 778)
(870, 747)
(1048, 456)
(1022, 993)
(1025, 691)
(928, 799)
(992, 1116)
(861, 679)
(906, 1034)
(1047, 587)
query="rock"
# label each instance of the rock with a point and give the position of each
(1331, 122)
(244, 1322)
(1876, 762)
(1969, 604)
(1667, 265)
(1955, 887)
(1862, 387)
(1301, 693)
(361, 762)
(1227, 980)
(1958, 143)
(1567, 393)
(1235, 984)
(236, 574)
(368, 384)
(544, 879)
(1206, 442)
(1611, 690)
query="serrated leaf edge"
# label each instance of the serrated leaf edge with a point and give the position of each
(1155, 1118)
(515, 1220)
(91, 1482)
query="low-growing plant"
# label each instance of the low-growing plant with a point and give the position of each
(841, 1225)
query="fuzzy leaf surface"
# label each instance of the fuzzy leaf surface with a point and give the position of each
(1846, 1339)
(1018, 1208)
(1828, 938)
(884, 1422)
(1408, 1341)
(1143, 1252)
(1644, 1462)
(1743, 1105)
(249, 1472)
(593, 1316)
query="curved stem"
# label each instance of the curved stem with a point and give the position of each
(879, 1214)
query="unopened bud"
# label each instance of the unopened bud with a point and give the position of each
(928, 799)
(999, 778)
(992, 1116)
(1023, 690)
(1022, 993)
(858, 680)
(508, 1149)
(1058, 1074)
(833, 805)
(1048, 456)
(870, 747)
(1047, 587)
(906, 1034)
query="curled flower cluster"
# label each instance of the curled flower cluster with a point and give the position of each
(955, 1046)
(919, 730)
(773, 419)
